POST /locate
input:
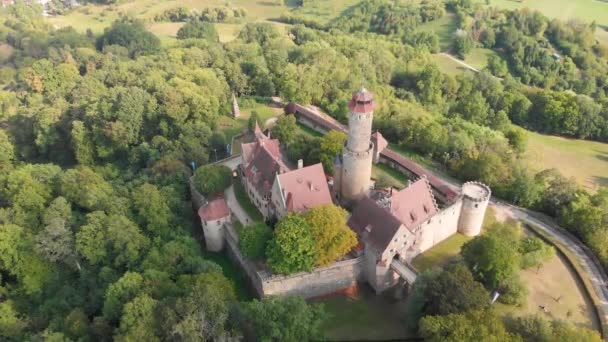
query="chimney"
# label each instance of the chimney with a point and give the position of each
(300, 163)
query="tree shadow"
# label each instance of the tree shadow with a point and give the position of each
(600, 180)
(601, 155)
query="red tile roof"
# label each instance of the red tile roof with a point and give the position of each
(265, 164)
(362, 101)
(214, 210)
(414, 204)
(373, 223)
(305, 188)
(379, 141)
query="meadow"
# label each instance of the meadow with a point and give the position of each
(586, 161)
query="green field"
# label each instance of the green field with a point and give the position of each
(441, 254)
(444, 28)
(586, 161)
(97, 17)
(587, 10)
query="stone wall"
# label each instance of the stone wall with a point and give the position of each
(320, 281)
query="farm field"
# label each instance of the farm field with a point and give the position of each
(97, 17)
(588, 10)
(586, 161)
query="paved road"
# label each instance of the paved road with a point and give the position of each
(235, 207)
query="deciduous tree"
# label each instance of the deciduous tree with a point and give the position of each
(332, 237)
(293, 247)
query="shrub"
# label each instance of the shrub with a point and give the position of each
(254, 239)
(212, 179)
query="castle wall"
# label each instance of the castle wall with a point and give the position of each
(320, 281)
(440, 227)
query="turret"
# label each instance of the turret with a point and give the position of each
(357, 154)
(214, 215)
(475, 199)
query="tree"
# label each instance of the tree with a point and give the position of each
(152, 209)
(293, 248)
(137, 322)
(7, 151)
(253, 240)
(198, 29)
(283, 319)
(285, 129)
(491, 258)
(253, 120)
(454, 290)
(463, 43)
(11, 324)
(210, 180)
(534, 252)
(115, 237)
(481, 325)
(202, 314)
(85, 188)
(122, 291)
(332, 237)
(56, 242)
(132, 35)
(331, 145)
(536, 328)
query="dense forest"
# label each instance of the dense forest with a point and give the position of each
(97, 133)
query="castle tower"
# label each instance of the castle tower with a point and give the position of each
(357, 153)
(214, 215)
(475, 198)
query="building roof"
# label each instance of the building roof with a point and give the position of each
(362, 101)
(249, 150)
(214, 210)
(373, 224)
(414, 204)
(305, 188)
(265, 163)
(379, 141)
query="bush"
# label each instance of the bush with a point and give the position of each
(199, 30)
(132, 35)
(212, 179)
(254, 239)
(513, 291)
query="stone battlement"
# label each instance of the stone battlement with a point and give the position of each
(476, 191)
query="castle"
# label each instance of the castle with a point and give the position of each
(392, 226)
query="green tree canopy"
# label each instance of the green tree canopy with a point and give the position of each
(210, 180)
(293, 247)
(285, 129)
(253, 240)
(331, 145)
(284, 319)
(132, 35)
(198, 29)
(481, 325)
(332, 237)
(453, 290)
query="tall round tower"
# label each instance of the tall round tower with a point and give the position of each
(357, 154)
(475, 198)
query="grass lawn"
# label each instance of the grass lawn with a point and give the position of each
(588, 10)
(552, 281)
(448, 65)
(394, 177)
(441, 254)
(586, 161)
(325, 10)
(250, 208)
(308, 131)
(444, 28)
(366, 318)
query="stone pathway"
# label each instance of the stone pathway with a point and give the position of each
(235, 207)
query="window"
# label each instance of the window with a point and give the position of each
(476, 205)
(218, 221)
